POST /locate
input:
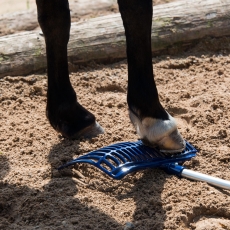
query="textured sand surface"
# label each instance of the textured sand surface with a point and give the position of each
(194, 86)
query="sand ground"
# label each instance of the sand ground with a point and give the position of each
(194, 86)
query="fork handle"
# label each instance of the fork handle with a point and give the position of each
(206, 178)
(182, 172)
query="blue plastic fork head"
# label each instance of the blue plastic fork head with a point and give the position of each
(173, 168)
(123, 158)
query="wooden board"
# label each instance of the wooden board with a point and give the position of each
(27, 20)
(102, 39)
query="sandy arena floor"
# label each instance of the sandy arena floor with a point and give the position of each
(194, 87)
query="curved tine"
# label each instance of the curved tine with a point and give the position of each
(122, 153)
(73, 162)
(101, 151)
(107, 163)
(106, 150)
(86, 159)
(150, 154)
(131, 154)
(119, 156)
(153, 152)
(185, 156)
(115, 147)
(114, 159)
(189, 147)
(103, 159)
(91, 155)
(120, 145)
(143, 154)
(132, 144)
(119, 173)
(112, 148)
(138, 154)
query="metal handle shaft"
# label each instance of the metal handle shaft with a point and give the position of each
(180, 171)
(206, 178)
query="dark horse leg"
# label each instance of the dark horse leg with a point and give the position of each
(153, 124)
(65, 114)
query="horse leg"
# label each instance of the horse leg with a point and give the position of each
(153, 124)
(65, 114)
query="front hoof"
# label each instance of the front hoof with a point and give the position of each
(159, 133)
(172, 143)
(89, 132)
(74, 122)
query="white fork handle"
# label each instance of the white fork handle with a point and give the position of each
(206, 178)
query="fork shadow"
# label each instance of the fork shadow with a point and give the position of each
(146, 192)
(58, 206)
(55, 206)
(74, 211)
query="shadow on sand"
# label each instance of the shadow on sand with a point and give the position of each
(56, 206)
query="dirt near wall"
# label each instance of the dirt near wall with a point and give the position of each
(194, 87)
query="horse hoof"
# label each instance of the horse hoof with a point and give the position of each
(172, 143)
(90, 131)
(159, 133)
